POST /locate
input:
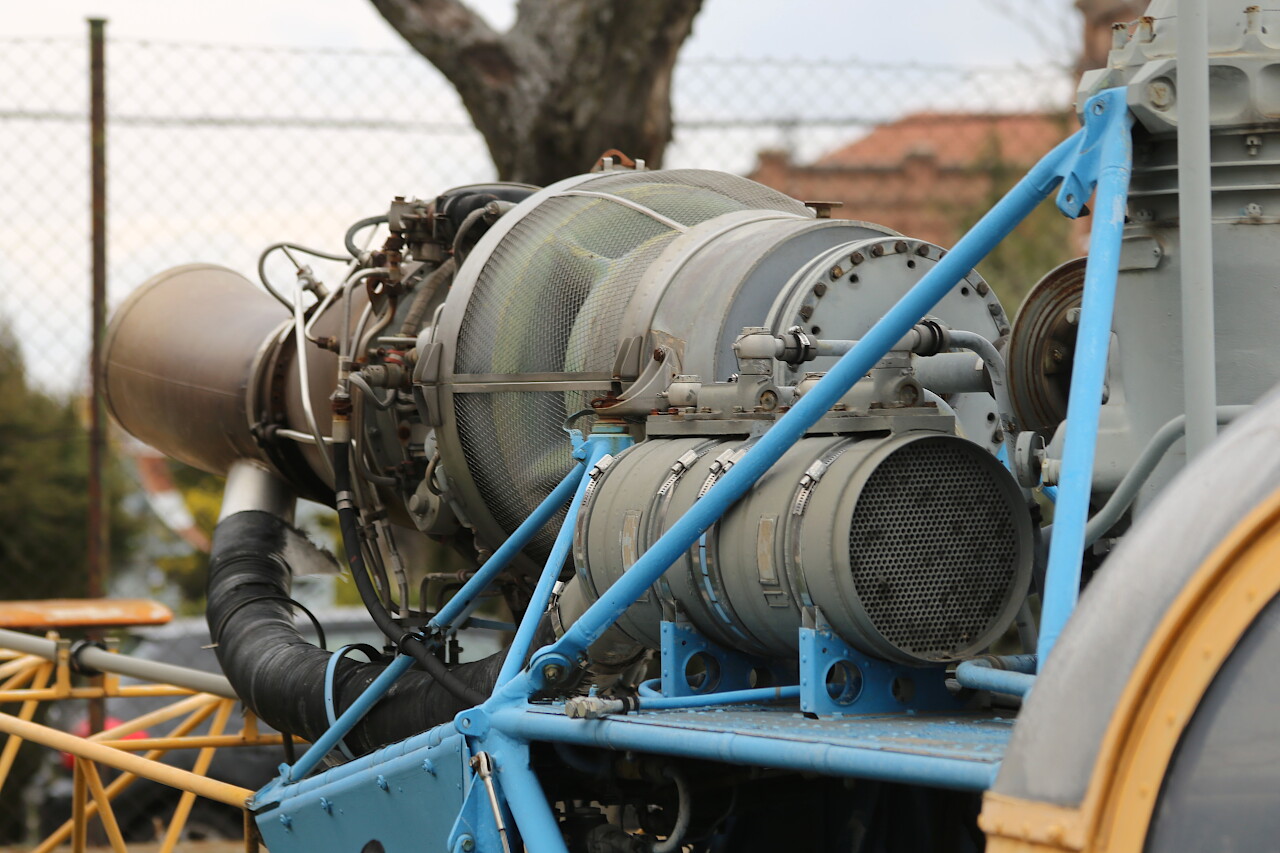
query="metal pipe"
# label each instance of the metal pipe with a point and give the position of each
(1013, 676)
(538, 826)
(999, 386)
(97, 540)
(1123, 496)
(599, 445)
(749, 749)
(887, 331)
(1199, 366)
(251, 486)
(354, 714)
(1089, 367)
(465, 600)
(104, 661)
(684, 810)
(184, 780)
(950, 372)
(304, 377)
(595, 706)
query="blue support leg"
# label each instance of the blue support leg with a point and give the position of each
(1113, 150)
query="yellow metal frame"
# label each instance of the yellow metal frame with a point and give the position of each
(30, 680)
(1198, 632)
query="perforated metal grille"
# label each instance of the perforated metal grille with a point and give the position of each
(934, 548)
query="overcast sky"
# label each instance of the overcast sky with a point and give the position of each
(961, 32)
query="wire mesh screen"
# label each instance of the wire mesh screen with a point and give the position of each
(215, 151)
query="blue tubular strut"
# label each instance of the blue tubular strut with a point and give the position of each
(464, 600)
(599, 444)
(1089, 367)
(1073, 162)
(1013, 675)
(349, 718)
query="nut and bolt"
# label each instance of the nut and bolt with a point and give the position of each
(1161, 94)
(820, 289)
(659, 354)
(552, 673)
(923, 250)
(856, 258)
(900, 247)
(983, 288)
(877, 251)
(806, 311)
(836, 272)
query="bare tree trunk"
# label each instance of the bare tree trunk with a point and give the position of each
(570, 80)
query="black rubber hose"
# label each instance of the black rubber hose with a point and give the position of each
(280, 675)
(348, 525)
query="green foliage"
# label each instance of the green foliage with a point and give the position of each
(44, 485)
(202, 494)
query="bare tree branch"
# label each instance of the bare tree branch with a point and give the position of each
(571, 78)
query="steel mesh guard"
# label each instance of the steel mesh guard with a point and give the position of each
(934, 549)
(550, 298)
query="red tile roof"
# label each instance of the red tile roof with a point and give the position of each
(953, 140)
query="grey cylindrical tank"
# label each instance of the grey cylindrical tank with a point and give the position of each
(916, 547)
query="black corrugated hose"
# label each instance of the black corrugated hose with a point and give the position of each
(280, 675)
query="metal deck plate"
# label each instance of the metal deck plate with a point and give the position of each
(953, 750)
(966, 737)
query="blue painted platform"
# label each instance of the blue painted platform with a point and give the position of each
(953, 750)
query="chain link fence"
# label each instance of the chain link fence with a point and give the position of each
(214, 151)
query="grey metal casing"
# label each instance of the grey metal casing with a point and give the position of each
(541, 320)
(790, 543)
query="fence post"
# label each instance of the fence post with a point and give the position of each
(97, 538)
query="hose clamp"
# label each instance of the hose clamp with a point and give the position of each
(77, 666)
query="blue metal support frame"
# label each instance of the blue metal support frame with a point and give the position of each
(1110, 152)
(364, 702)
(604, 440)
(465, 600)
